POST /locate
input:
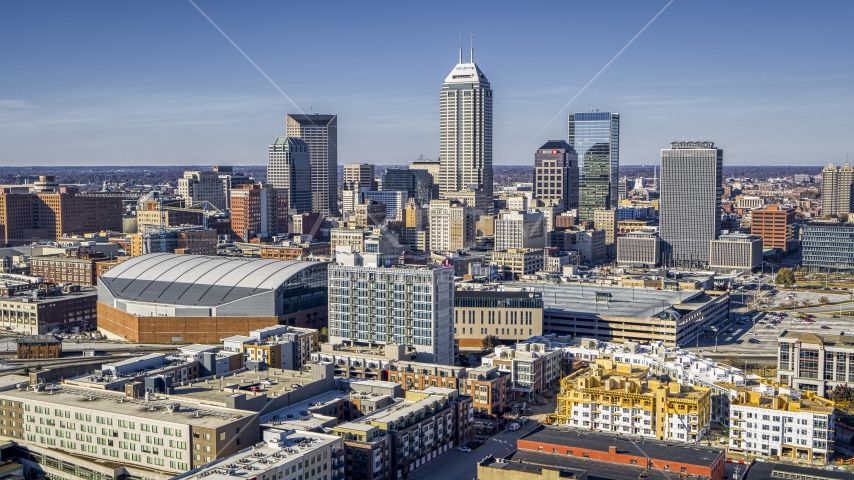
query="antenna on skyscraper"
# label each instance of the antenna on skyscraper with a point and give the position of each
(472, 48)
(461, 48)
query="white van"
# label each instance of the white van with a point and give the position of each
(513, 427)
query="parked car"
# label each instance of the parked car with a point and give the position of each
(825, 327)
(753, 340)
(464, 449)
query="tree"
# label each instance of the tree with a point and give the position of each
(490, 342)
(823, 299)
(842, 393)
(323, 337)
(785, 277)
(806, 302)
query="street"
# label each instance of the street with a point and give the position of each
(456, 465)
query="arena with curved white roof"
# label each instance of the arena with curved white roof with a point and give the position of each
(191, 287)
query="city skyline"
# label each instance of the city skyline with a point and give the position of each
(103, 94)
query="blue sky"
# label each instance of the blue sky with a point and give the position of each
(144, 83)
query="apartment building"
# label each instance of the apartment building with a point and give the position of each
(512, 264)
(815, 363)
(279, 346)
(534, 366)
(347, 237)
(510, 316)
(106, 426)
(370, 304)
(622, 399)
(487, 386)
(407, 435)
(606, 220)
(451, 226)
(785, 425)
(775, 226)
(283, 454)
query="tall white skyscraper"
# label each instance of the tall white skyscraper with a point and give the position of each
(320, 132)
(690, 203)
(465, 132)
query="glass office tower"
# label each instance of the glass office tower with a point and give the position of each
(595, 136)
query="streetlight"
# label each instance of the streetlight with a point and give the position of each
(715, 329)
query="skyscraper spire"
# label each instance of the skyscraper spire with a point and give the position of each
(472, 49)
(461, 49)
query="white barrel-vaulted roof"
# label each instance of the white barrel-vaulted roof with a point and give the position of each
(196, 280)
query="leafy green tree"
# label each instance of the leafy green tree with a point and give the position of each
(842, 393)
(490, 342)
(323, 336)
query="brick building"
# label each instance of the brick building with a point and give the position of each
(775, 226)
(51, 211)
(258, 210)
(39, 346)
(75, 266)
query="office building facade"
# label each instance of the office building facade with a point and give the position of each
(519, 230)
(595, 136)
(465, 135)
(394, 201)
(289, 169)
(359, 175)
(197, 187)
(827, 246)
(556, 174)
(640, 248)
(418, 184)
(371, 304)
(690, 203)
(775, 226)
(517, 315)
(320, 132)
(735, 251)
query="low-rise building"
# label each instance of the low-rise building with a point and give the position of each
(165, 436)
(815, 363)
(509, 316)
(69, 308)
(39, 346)
(294, 251)
(534, 366)
(75, 266)
(640, 248)
(603, 455)
(514, 263)
(281, 346)
(623, 399)
(284, 454)
(782, 424)
(735, 251)
(407, 435)
(347, 237)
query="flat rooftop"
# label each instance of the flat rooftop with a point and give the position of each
(296, 410)
(26, 296)
(209, 391)
(820, 339)
(676, 452)
(267, 457)
(596, 470)
(117, 404)
(766, 471)
(633, 302)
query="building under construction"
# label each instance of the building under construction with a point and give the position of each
(624, 399)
